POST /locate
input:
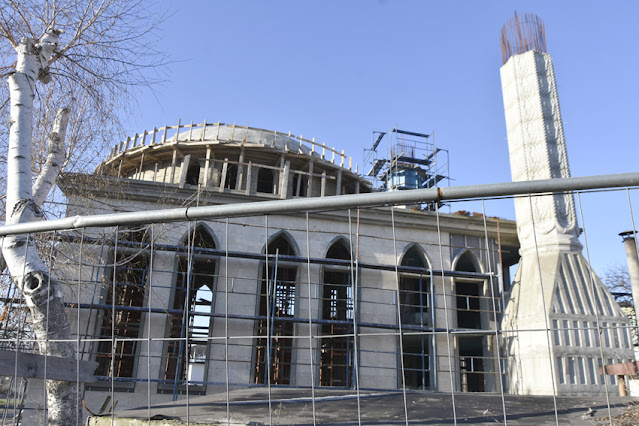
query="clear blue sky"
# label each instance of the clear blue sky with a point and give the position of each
(336, 70)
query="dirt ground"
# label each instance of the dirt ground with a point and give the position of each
(629, 418)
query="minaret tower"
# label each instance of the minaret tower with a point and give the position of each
(554, 287)
(535, 135)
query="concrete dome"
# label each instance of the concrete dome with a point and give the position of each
(230, 158)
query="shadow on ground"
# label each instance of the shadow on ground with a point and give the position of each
(329, 406)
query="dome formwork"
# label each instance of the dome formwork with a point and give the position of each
(235, 159)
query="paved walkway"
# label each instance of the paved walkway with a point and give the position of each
(295, 407)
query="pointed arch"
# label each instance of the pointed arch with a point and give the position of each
(190, 324)
(200, 236)
(277, 301)
(283, 241)
(415, 309)
(474, 360)
(467, 261)
(336, 353)
(339, 248)
(468, 292)
(414, 287)
(125, 287)
(415, 256)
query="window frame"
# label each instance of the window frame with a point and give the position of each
(260, 366)
(349, 314)
(123, 247)
(167, 385)
(426, 308)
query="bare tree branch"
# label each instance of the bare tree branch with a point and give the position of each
(55, 158)
(106, 49)
(617, 279)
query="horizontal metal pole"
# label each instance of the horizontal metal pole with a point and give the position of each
(335, 202)
(218, 253)
(295, 320)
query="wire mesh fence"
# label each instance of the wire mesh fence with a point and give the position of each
(324, 316)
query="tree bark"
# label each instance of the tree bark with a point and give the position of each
(40, 290)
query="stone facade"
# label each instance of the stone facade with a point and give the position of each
(319, 298)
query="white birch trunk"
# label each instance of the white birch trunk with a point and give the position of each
(41, 291)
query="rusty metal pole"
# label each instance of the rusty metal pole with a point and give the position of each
(622, 385)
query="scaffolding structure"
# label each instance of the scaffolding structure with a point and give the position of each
(406, 160)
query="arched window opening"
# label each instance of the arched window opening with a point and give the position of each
(265, 180)
(339, 251)
(468, 293)
(473, 362)
(415, 303)
(277, 303)
(190, 327)
(125, 288)
(414, 289)
(193, 174)
(466, 263)
(336, 353)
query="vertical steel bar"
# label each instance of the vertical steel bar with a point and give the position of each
(399, 317)
(310, 316)
(422, 355)
(446, 315)
(491, 283)
(46, 339)
(149, 316)
(594, 293)
(20, 324)
(113, 341)
(273, 302)
(78, 338)
(268, 325)
(543, 301)
(187, 306)
(634, 232)
(354, 295)
(433, 367)
(226, 317)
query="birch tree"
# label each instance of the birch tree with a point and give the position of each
(94, 55)
(40, 290)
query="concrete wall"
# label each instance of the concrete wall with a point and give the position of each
(377, 299)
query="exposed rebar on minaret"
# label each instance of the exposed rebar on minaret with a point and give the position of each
(519, 35)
